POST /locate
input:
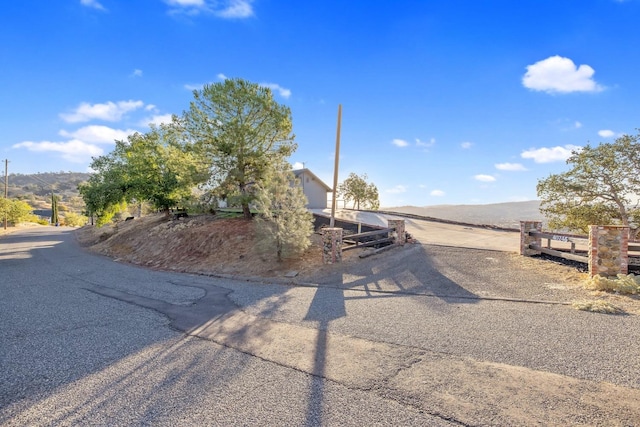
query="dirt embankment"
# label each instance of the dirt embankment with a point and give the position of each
(202, 244)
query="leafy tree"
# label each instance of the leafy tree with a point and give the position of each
(73, 219)
(599, 188)
(19, 211)
(159, 168)
(241, 130)
(156, 166)
(5, 206)
(284, 223)
(356, 188)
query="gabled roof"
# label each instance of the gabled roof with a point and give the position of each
(307, 172)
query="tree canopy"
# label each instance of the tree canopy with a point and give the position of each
(240, 130)
(158, 167)
(602, 187)
(283, 224)
(356, 189)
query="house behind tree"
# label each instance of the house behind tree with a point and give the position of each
(313, 187)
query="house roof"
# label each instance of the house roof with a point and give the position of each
(307, 172)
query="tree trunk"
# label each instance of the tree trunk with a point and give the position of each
(246, 212)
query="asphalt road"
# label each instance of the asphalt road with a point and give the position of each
(424, 336)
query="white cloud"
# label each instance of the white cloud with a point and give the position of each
(297, 166)
(484, 178)
(437, 193)
(92, 3)
(227, 9)
(74, 151)
(98, 134)
(577, 125)
(222, 76)
(157, 120)
(431, 143)
(513, 167)
(607, 133)
(548, 155)
(236, 9)
(110, 111)
(560, 75)
(285, 93)
(397, 189)
(466, 145)
(136, 73)
(400, 143)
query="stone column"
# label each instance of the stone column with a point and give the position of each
(608, 250)
(526, 240)
(332, 245)
(399, 236)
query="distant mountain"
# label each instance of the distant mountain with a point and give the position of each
(36, 188)
(500, 214)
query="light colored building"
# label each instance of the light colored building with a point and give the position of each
(313, 187)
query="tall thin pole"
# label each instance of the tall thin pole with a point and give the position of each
(335, 169)
(6, 186)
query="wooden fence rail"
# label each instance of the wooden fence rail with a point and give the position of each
(359, 240)
(607, 250)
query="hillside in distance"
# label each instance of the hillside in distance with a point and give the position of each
(36, 189)
(506, 215)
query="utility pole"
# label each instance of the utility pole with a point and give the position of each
(6, 187)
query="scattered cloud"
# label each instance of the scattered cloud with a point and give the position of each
(98, 134)
(513, 167)
(400, 143)
(236, 9)
(222, 76)
(93, 4)
(437, 193)
(75, 151)
(557, 74)
(397, 189)
(484, 178)
(110, 111)
(548, 155)
(577, 125)
(607, 133)
(466, 145)
(192, 87)
(226, 9)
(422, 186)
(136, 73)
(297, 166)
(430, 143)
(285, 93)
(157, 120)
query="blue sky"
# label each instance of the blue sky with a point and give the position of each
(444, 101)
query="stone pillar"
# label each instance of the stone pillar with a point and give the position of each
(399, 236)
(332, 245)
(526, 240)
(608, 250)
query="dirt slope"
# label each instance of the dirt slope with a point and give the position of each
(201, 244)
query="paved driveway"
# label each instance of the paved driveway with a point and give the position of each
(88, 341)
(438, 233)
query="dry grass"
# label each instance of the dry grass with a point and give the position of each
(624, 284)
(597, 306)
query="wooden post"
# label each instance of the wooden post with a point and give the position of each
(335, 169)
